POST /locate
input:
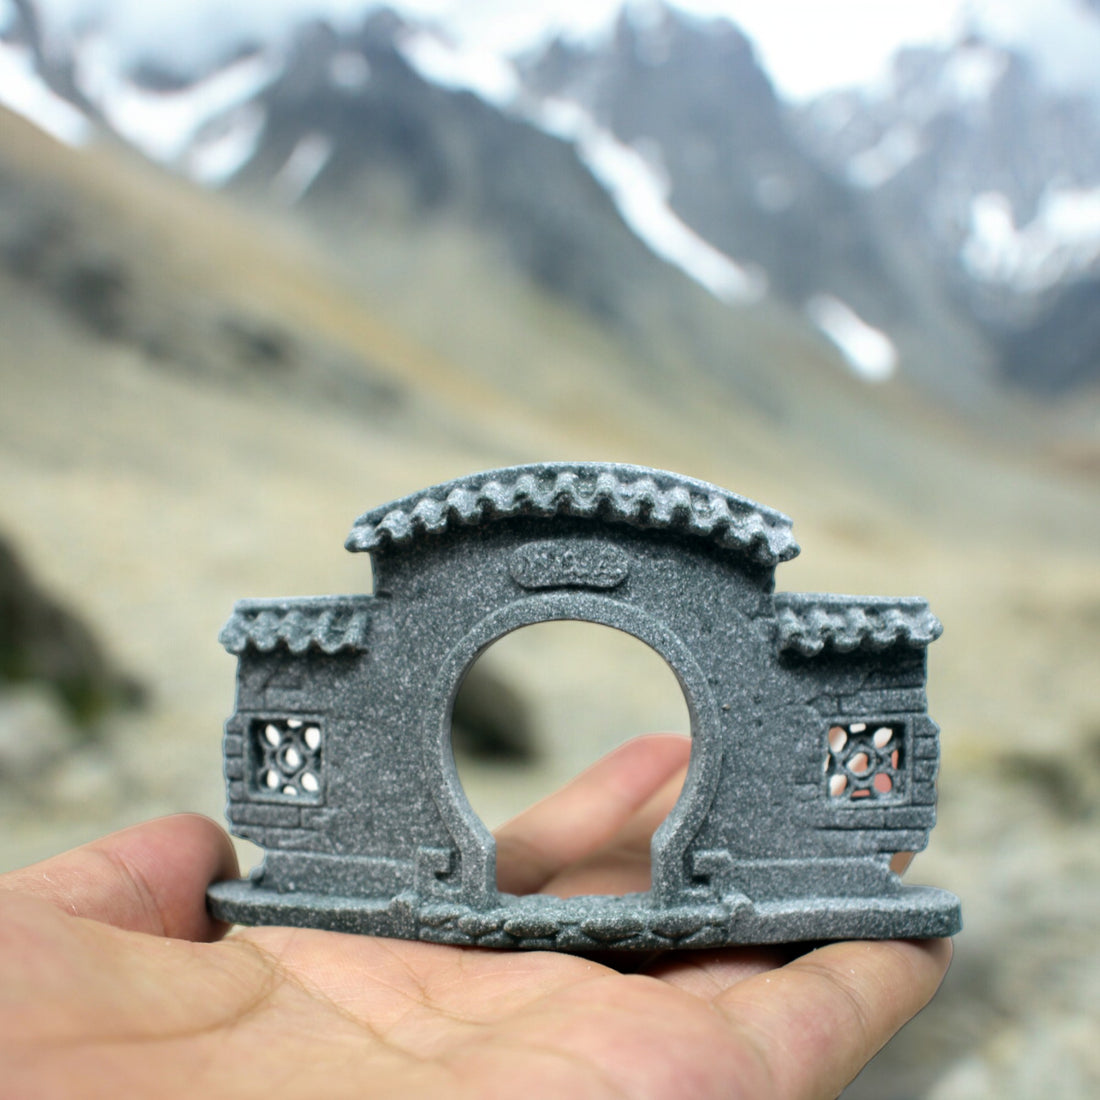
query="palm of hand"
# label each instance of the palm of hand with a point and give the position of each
(134, 1002)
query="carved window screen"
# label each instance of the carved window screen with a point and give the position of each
(865, 762)
(287, 759)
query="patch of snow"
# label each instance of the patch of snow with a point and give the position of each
(215, 158)
(467, 68)
(898, 147)
(1061, 241)
(641, 196)
(305, 163)
(1072, 215)
(162, 124)
(649, 149)
(25, 93)
(973, 72)
(868, 351)
(348, 70)
(992, 248)
(632, 177)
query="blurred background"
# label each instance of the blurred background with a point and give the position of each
(267, 265)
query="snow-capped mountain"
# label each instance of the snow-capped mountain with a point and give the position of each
(946, 210)
(993, 177)
(946, 224)
(691, 98)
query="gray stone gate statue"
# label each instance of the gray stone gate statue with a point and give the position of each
(813, 758)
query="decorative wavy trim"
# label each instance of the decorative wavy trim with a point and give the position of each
(810, 623)
(330, 623)
(632, 495)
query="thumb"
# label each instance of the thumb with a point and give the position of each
(148, 878)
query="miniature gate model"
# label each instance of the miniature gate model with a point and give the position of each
(813, 759)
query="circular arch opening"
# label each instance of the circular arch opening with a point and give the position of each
(545, 702)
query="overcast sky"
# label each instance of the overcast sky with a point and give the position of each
(807, 45)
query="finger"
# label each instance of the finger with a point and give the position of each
(818, 1020)
(148, 878)
(582, 816)
(621, 865)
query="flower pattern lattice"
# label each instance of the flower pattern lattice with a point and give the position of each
(865, 761)
(288, 758)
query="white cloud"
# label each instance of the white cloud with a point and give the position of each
(1059, 34)
(808, 45)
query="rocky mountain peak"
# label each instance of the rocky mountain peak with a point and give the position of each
(667, 71)
(937, 216)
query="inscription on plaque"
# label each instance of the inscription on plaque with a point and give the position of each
(569, 565)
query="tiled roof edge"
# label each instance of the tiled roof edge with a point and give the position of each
(633, 495)
(811, 623)
(332, 624)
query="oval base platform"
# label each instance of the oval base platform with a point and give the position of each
(631, 922)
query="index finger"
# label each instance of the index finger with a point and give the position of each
(818, 1020)
(577, 820)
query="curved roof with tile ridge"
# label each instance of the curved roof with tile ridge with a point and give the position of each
(332, 624)
(811, 623)
(611, 492)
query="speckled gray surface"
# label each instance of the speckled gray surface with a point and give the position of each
(813, 758)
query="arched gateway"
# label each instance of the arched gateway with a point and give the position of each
(813, 758)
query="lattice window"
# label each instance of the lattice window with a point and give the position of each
(287, 758)
(865, 761)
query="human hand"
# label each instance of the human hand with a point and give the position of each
(115, 982)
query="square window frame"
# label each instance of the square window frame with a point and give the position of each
(254, 760)
(881, 802)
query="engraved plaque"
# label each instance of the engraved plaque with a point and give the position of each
(569, 565)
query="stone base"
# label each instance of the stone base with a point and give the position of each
(631, 922)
